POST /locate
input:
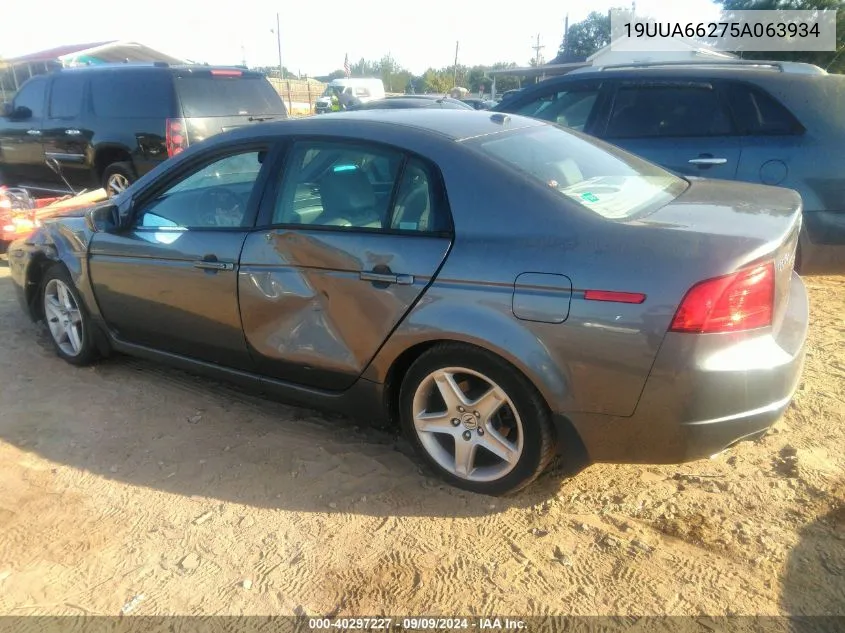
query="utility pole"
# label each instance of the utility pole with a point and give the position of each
(279, 43)
(243, 55)
(455, 79)
(537, 50)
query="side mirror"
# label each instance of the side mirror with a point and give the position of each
(21, 113)
(104, 218)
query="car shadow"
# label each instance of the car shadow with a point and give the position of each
(144, 424)
(813, 582)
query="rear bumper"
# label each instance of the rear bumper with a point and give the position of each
(705, 393)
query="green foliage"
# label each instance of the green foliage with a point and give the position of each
(834, 62)
(586, 37)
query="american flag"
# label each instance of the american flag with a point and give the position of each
(346, 65)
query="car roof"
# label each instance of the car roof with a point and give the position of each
(155, 66)
(456, 125)
(698, 70)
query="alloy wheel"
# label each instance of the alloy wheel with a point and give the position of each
(63, 317)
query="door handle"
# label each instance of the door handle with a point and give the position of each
(34, 132)
(213, 265)
(708, 161)
(73, 132)
(387, 278)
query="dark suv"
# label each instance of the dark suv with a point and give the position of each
(766, 122)
(108, 125)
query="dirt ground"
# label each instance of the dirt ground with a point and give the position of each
(132, 487)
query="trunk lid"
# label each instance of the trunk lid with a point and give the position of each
(764, 223)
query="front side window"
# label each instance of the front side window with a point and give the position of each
(667, 111)
(213, 196)
(31, 96)
(606, 180)
(570, 107)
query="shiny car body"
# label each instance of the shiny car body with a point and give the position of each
(492, 282)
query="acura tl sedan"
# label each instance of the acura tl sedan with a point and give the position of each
(497, 285)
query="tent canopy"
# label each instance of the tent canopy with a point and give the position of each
(114, 51)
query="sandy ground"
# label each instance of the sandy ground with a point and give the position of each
(128, 480)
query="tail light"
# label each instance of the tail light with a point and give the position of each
(176, 137)
(743, 300)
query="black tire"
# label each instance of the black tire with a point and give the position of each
(117, 171)
(88, 352)
(538, 448)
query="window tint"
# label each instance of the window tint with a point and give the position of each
(207, 95)
(122, 95)
(605, 180)
(32, 96)
(759, 114)
(214, 196)
(66, 97)
(667, 111)
(569, 108)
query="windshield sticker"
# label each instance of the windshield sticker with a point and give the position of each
(589, 197)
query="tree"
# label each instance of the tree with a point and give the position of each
(833, 61)
(585, 38)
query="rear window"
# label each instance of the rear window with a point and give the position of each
(606, 180)
(204, 96)
(132, 95)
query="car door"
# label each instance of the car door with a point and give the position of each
(65, 136)
(169, 281)
(682, 125)
(21, 153)
(351, 237)
(573, 104)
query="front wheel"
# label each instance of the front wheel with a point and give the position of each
(476, 420)
(67, 320)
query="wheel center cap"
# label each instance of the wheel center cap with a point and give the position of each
(469, 421)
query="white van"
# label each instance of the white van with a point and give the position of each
(364, 89)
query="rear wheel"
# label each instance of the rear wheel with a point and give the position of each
(117, 177)
(476, 420)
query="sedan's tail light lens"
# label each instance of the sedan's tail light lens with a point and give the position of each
(176, 137)
(743, 300)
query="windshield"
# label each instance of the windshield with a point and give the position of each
(226, 96)
(605, 180)
(331, 90)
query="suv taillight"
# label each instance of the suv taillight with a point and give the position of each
(176, 137)
(743, 300)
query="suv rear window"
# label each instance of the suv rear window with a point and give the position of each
(604, 179)
(132, 95)
(206, 95)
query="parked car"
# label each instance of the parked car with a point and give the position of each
(479, 104)
(414, 101)
(493, 282)
(357, 89)
(775, 123)
(107, 125)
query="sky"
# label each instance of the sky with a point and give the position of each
(316, 35)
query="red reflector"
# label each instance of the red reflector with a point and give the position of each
(743, 300)
(618, 297)
(226, 73)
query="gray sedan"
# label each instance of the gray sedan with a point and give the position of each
(496, 285)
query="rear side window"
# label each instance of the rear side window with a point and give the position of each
(606, 180)
(207, 95)
(758, 114)
(32, 96)
(654, 111)
(66, 96)
(133, 95)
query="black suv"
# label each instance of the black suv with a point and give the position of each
(108, 125)
(776, 123)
